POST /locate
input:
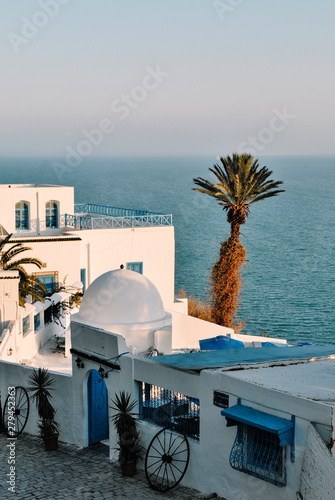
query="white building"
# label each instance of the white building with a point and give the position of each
(260, 421)
(78, 243)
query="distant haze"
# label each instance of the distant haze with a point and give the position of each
(177, 77)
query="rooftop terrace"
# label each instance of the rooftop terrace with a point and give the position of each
(91, 216)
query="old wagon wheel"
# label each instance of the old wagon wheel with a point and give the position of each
(16, 411)
(167, 459)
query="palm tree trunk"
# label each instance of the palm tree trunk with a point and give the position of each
(235, 231)
(226, 280)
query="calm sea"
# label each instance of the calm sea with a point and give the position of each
(289, 277)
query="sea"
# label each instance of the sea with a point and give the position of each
(289, 276)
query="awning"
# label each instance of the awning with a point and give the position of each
(246, 415)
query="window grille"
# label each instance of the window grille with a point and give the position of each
(258, 453)
(37, 321)
(51, 214)
(167, 408)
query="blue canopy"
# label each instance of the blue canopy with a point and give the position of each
(219, 343)
(247, 415)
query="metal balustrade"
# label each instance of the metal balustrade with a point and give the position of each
(87, 222)
(85, 218)
(172, 409)
(90, 208)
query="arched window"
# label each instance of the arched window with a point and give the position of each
(21, 215)
(51, 214)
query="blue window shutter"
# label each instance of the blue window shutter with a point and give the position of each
(83, 278)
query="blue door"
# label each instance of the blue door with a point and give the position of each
(98, 427)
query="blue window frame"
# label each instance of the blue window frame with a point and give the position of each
(135, 266)
(83, 278)
(26, 324)
(51, 214)
(260, 445)
(49, 281)
(37, 321)
(21, 215)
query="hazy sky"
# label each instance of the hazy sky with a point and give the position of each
(172, 77)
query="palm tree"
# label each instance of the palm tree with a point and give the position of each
(240, 182)
(29, 284)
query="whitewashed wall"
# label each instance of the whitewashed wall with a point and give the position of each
(106, 249)
(187, 331)
(209, 470)
(36, 196)
(317, 480)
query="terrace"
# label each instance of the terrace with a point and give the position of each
(90, 216)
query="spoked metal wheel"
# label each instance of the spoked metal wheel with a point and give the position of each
(167, 459)
(16, 412)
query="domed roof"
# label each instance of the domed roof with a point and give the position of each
(121, 297)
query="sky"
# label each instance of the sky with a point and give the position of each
(177, 77)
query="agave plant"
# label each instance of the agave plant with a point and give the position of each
(125, 424)
(41, 383)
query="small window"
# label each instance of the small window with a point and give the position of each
(37, 321)
(49, 279)
(51, 214)
(135, 266)
(26, 324)
(258, 453)
(167, 408)
(21, 215)
(260, 445)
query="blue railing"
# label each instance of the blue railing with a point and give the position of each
(109, 222)
(91, 208)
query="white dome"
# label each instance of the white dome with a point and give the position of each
(121, 297)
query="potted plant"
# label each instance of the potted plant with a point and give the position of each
(41, 385)
(126, 426)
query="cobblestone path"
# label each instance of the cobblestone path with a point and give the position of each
(72, 473)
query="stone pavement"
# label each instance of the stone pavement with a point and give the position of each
(72, 473)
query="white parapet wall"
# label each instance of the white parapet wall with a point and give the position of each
(209, 468)
(187, 331)
(318, 470)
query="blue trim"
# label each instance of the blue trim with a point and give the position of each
(51, 215)
(21, 215)
(91, 208)
(258, 453)
(83, 278)
(284, 429)
(37, 321)
(25, 324)
(49, 280)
